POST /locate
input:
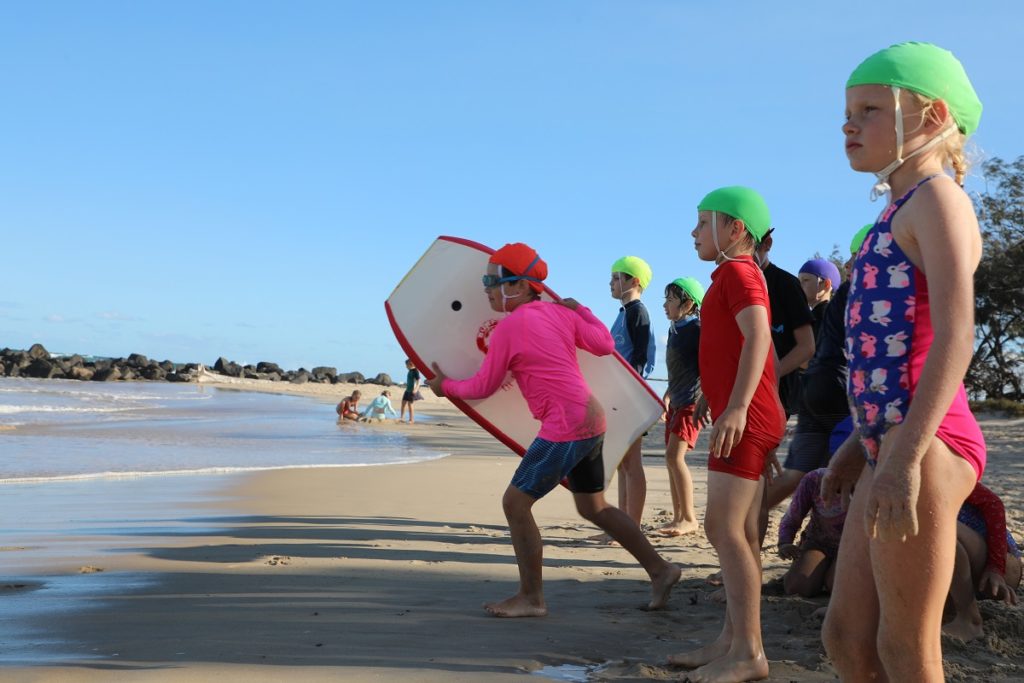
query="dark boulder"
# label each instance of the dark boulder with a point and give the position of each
(265, 366)
(138, 360)
(383, 379)
(37, 351)
(108, 374)
(350, 378)
(43, 368)
(325, 371)
(301, 377)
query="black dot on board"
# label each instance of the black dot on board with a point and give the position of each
(456, 305)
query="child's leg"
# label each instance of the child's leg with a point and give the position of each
(617, 524)
(684, 519)
(526, 540)
(806, 575)
(412, 416)
(966, 622)
(851, 623)
(633, 483)
(910, 603)
(731, 526)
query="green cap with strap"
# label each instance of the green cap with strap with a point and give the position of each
(743, 203)
(634, 266)
(926, 69)
(692, 287)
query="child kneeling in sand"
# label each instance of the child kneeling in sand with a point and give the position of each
(987, 563)
(537, 342)
(814, 560)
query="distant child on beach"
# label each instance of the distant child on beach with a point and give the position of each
(380, 408)
(814, 558)
(819, 279)
(633, 340)
(683, 297)
(348, 409)
(909, 109)
(412, 384)
(537, 342)
(737, 370)
(988, 562)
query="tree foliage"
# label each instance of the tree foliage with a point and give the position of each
(996, 370)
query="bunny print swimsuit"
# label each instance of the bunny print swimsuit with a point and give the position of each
(888, 334)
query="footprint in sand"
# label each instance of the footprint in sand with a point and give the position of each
(278, 559)
(88, 569)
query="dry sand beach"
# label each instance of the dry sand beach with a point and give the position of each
(379, 573)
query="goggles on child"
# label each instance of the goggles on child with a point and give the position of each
(491, 280)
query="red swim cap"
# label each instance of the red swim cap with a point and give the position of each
(522, 259)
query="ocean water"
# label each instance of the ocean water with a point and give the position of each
(53, 430)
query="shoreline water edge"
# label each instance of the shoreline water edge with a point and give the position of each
(375, 573)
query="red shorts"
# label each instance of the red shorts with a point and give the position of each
(747, 459)
(680, 423)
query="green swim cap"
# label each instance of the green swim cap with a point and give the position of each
(858, 239)
(743, 203)
(634, 266)
(692, 287)
(926, 69)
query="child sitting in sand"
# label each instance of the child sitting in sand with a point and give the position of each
(379, 408)
(537, 342)
(348, 409)
(987, 562)
(814, 559)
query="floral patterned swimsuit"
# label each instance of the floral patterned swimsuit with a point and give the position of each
(888, 334)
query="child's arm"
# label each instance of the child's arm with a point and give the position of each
(757, 342)
(491, 374)
(591, 334)
(638, 327)
(799, 506)
(993, 579)
(948, 246)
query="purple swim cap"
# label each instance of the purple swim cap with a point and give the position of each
(824, 269)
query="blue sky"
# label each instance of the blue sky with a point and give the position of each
(251, 179)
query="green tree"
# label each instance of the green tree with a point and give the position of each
(996, 369)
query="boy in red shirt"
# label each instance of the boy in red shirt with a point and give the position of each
(737, 369)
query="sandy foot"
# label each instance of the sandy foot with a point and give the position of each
(515, 607)
(661, 586)
(728, 670)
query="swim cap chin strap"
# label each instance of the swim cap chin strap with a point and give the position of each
(714, 236)
(882, 187)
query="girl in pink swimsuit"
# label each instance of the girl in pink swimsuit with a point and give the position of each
(910, 338)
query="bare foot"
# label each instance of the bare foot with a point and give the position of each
(701, 656)
(517, 606)
(964, 629)
(714, 579)
(603, 538)
(677, 529)
(730, 670)
(661, 585)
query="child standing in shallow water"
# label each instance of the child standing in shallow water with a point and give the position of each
(537, 342)
(924, 448)
(737, 369)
